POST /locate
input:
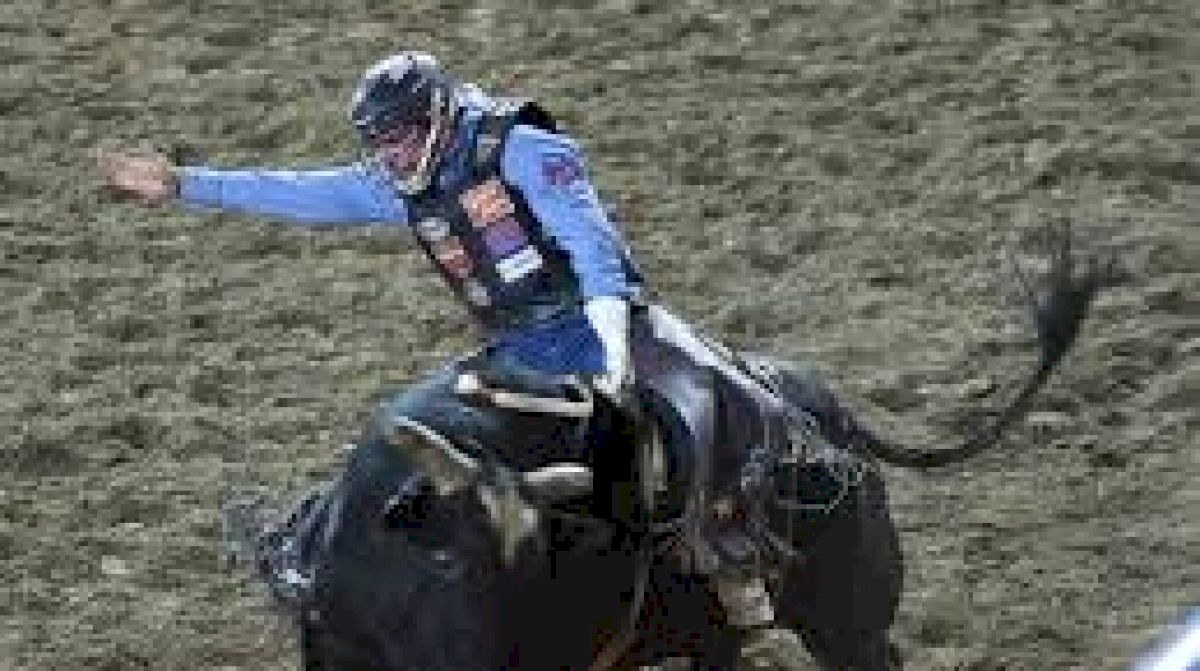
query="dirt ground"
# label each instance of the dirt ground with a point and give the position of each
(840, 181)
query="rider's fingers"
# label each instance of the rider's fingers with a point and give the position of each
(107, 161)
(123, 162)
(119, 169)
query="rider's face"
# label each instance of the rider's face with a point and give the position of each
(400, 148)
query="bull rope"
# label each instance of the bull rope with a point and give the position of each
(619, 644)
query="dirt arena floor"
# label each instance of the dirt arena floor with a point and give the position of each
(839, 181)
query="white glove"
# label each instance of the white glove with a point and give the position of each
(609, 317)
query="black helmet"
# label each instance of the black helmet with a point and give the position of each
(404, 89)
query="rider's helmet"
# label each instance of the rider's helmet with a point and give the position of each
(403, 109)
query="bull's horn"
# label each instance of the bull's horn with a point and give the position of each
(558, 482)
(451, 469)
(469, 384)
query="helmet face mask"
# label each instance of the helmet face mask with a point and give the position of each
(401, 148)
(403, 110)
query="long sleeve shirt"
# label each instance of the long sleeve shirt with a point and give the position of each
(547, 168)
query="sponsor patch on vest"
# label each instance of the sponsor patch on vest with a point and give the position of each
(519, 265)
(453, 257)
(433, 229)
(504, 237)
(487, 203)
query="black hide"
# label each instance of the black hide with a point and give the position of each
(411, 583)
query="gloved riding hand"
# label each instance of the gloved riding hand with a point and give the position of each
(149, 177)
(609, 317)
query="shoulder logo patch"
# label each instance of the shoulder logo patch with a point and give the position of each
(561, 170)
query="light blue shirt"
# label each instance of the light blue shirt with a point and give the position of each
(568, 209)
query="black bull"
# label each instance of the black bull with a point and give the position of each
(399, 574)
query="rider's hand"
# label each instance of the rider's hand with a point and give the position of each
(609, 316)
(612, 383)
(150, 178)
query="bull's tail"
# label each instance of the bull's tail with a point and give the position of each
(1059, 309)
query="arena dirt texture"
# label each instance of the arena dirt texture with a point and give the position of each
(836, 181)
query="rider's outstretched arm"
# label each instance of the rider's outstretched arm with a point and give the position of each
(350, 194)
(336, 196)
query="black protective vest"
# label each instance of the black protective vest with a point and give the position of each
(487, 244)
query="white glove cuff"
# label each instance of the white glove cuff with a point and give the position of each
(609, 316)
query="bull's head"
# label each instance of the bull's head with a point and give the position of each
(411, 550)
(511, 499)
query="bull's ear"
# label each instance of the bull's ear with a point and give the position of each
(410, 503)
